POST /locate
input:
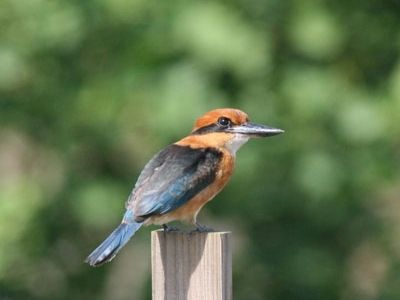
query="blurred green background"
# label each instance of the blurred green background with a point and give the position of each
(90, 90)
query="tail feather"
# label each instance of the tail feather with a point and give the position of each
(112, 244)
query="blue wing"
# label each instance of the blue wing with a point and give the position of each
(171, 178)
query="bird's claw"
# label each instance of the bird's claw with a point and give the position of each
(202, 228)
(168, 228)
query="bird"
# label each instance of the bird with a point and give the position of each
(181, 178)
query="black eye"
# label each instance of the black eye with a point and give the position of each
(224, 122)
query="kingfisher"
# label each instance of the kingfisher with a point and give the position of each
(180, 179)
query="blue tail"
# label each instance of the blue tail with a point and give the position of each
(111, 245)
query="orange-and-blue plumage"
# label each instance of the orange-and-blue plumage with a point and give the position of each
(180, 179)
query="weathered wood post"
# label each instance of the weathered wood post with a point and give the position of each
(195, 266)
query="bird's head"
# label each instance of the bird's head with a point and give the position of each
(230, 127)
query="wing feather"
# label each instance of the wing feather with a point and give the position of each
(171, 178)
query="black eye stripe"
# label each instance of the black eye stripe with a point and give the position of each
(220, 126)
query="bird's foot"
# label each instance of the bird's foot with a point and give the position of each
(168, 228)
(201, 228)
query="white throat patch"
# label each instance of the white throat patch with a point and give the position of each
(234, 144)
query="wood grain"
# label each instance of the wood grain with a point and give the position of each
(191, 266)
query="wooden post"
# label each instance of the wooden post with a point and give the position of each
(195, 266)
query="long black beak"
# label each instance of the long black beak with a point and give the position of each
(255, 130)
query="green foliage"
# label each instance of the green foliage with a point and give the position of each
(90, 90)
